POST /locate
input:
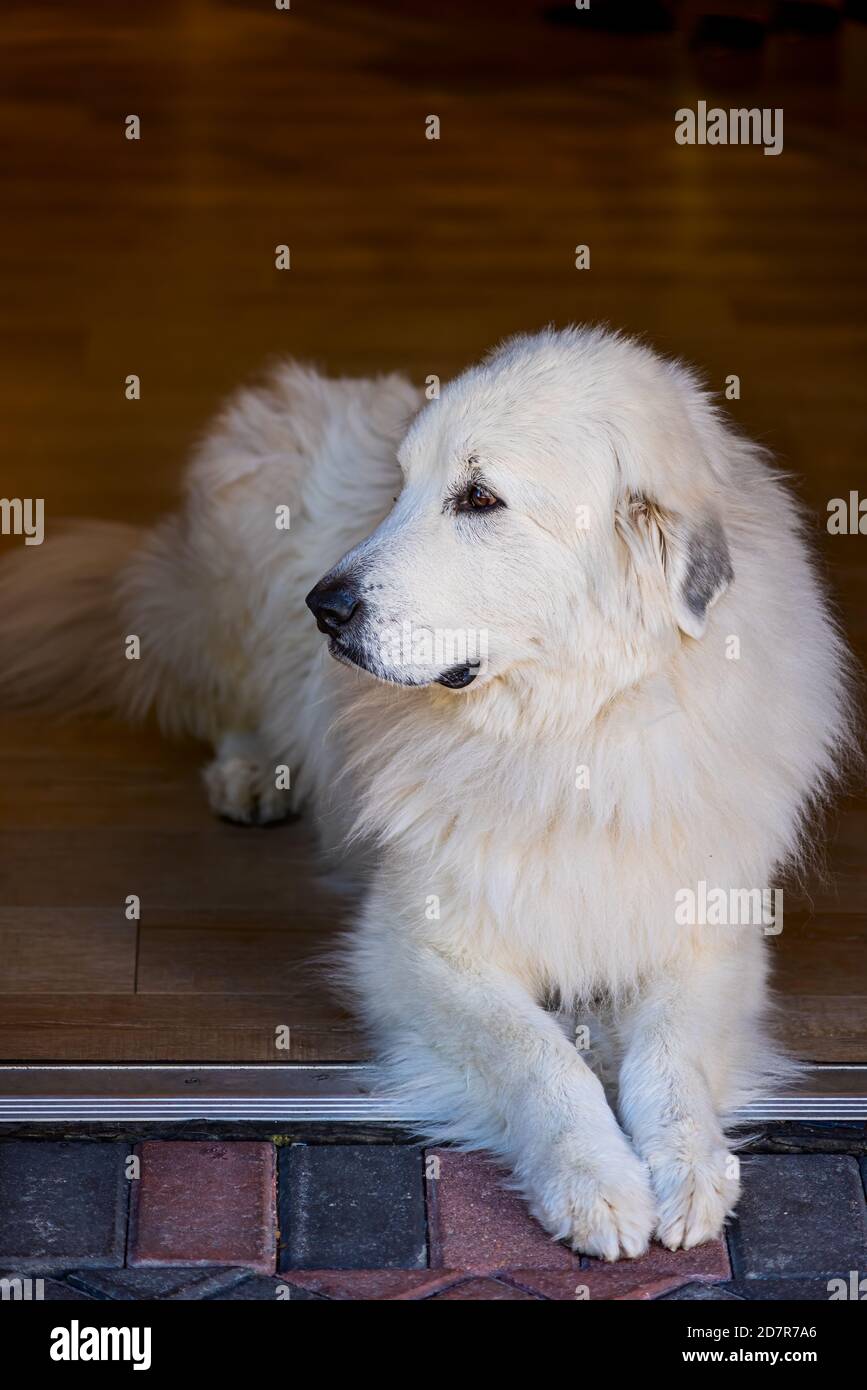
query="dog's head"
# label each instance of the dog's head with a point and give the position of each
(559, 498)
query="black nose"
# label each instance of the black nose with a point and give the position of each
(332, 605)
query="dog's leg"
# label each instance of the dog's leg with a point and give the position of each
(682, 1039)
(486, 1066)
(241, 782)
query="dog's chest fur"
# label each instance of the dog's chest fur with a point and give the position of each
(503, 848)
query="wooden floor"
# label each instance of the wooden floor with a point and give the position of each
(262, 127)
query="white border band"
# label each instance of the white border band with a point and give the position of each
(340, 1092)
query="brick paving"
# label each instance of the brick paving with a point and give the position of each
(204, 1204)
(352, 1206)
(800, 1216)
(62, 1203)
(237, 1220)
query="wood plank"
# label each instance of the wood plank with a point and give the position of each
(221, 866)
(841, 884)
(825, 1028)
(180, 1028)
(69, 950)
(224, 952)
(820, 953)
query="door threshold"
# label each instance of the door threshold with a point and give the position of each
(328, 1092)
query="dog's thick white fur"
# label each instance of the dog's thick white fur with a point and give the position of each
(662, 699)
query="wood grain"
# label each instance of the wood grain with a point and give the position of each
(175, 1027)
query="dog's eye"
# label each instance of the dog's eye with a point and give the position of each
(477, 498)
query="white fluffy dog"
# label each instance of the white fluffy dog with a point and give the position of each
(584, 666)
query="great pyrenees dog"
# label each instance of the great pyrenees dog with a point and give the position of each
(547, 661)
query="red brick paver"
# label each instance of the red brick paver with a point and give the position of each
(373, 1284)
(483, 1290)
(477, 1224)
(206, 1211)
(204, 1204)
(659, 1271)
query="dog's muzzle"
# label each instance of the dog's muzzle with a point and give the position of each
(334, 604)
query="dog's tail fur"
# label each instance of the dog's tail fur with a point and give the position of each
(61, 630)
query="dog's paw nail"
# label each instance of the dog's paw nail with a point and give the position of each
(694, 1199)
(609, 1215)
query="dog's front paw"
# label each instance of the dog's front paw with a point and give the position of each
(606, 1209)
(240, 790)
(694, 1196)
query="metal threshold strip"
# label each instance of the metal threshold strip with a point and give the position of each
(341, 1092)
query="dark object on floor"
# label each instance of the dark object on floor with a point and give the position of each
(615, 16)
(722, 33)
(811, 20)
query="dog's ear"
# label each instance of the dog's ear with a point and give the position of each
(692, 555)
